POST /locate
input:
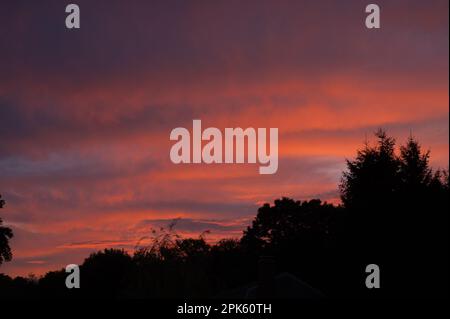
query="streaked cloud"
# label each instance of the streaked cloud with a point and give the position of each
(86, 116)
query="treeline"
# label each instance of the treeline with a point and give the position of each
(394, 213)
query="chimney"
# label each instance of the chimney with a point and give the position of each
(266, 277)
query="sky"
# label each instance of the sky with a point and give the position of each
(86, 114)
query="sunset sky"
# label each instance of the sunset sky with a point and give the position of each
(86, 114)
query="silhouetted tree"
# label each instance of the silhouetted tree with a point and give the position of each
(105, 273)
(396, 209)
(289, 221)
(394, 214)
(424, 194)
(415, 172)
(231, 265)
(372, 178)
(301, 235)
(5, 235)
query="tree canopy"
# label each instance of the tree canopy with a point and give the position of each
(394, 213)
(5, 235)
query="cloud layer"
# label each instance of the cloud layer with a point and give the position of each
(86, 114)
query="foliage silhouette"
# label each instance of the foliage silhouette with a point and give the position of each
(397, 215)
(5, 235)
(394, 213)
